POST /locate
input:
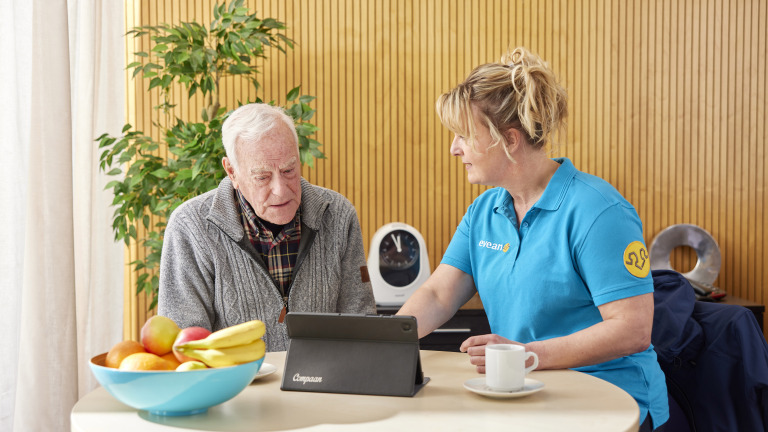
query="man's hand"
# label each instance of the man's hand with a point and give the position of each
(475, 347)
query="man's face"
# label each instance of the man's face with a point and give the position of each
(269, 175)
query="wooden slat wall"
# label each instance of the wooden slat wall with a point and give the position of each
(667, 103)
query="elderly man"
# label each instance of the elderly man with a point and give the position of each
(265, 241)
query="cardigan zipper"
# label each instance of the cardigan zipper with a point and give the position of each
(302, 254)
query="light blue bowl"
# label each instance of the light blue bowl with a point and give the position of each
(172, 393)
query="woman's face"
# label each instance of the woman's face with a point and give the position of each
(486, 165)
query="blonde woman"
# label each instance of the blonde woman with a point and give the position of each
(556, 255)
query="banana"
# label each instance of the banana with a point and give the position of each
(235, 335)
(229, 356)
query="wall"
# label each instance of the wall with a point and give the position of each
(667, 103)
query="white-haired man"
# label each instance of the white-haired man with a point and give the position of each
(265, 241)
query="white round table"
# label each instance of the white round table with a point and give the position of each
(569, 400)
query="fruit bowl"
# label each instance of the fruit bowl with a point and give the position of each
(173, 393)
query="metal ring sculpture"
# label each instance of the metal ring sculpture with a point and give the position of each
(708, 265)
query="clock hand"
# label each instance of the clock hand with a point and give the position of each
(397, 242)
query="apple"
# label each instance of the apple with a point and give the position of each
(158, 335)
(191, 365)
(186, 335)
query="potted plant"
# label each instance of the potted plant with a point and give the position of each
(197, 58)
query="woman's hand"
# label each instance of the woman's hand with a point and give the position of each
(475, 347)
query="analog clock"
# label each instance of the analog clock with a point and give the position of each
(399, 250)
(398, 263)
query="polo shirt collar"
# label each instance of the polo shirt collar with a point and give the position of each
(558, 185)
(554, 193)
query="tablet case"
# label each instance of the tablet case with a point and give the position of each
(358, 354)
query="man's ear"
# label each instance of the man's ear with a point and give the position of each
(230, 170)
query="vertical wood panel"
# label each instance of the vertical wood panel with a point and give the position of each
(667, 103)
(130, 309)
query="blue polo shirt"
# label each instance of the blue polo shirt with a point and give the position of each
(580, 246)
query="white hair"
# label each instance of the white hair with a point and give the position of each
(250, 123)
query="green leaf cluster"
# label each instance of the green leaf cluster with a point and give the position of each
(149, 187)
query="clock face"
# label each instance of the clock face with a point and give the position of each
(399, 249)
(399, 254)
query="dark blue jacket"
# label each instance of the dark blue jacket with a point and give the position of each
(714, 356)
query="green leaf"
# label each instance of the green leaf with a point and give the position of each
(159, 48)
(133, 181)
(114, 171)
(184, 174)
(167, 81)
(162, 205)
(155, 82)
(307, 113)
(161, 173)
(239, 69)
(293, 94)
(306, 129)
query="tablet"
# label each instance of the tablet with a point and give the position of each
(351, 353)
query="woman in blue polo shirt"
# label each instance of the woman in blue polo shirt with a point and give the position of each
(556, 255)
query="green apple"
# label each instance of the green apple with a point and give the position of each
(191, 365)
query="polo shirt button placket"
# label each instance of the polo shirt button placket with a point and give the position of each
(524, 228)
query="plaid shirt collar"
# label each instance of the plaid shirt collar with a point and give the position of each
(258, 232)
(279, 252)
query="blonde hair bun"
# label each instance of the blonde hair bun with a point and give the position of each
(521, 92)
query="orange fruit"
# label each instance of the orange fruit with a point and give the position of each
(145, 362)
(122, 350)
(171, 358)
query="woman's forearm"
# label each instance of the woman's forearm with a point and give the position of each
(625, 330)
(439, 298)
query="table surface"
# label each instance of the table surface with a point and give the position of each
(570, 400)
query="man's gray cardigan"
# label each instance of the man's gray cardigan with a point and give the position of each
(211, 275)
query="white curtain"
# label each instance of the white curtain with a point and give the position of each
(61, 86)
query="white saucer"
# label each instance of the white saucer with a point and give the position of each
(477, 385)
(266, 369)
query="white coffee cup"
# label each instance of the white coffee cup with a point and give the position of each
(505, 366)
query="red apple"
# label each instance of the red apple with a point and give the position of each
(186, 335)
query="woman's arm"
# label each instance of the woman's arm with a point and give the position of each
(625, 329)
(435, 302)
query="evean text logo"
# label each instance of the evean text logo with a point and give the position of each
(305, 379)
(494, 246)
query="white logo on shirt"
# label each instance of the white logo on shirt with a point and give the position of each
(494, 246)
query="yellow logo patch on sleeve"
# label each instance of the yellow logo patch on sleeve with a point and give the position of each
(636, 259)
